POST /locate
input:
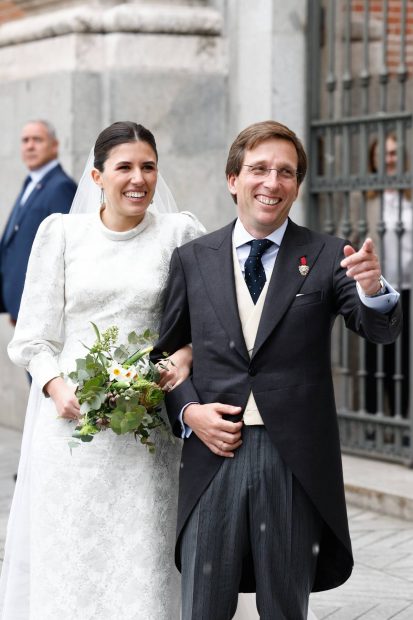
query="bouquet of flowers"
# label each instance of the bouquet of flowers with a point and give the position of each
(117, 388)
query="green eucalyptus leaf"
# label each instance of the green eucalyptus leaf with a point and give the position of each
(116, 421)
(121, 354)
(96, 383)
(84, 408)
(130, 403)
(133, 338)
(130, 422)
(97, 402)
(150, 335)
(97, 332)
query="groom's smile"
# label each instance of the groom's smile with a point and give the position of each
(266, 200)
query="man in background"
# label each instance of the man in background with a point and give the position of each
(47, 189)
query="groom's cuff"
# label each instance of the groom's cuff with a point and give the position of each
(384, 302)
(186, 430)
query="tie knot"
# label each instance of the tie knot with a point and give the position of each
(259, 246)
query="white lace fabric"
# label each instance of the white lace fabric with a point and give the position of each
(91, 534)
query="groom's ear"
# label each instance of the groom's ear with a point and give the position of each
(232, 184)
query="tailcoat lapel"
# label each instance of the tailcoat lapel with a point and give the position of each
(215, 263)
(286, 280)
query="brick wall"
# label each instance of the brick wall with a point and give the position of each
(9, 11)
(394, 29)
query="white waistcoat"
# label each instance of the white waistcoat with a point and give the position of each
(250, 316)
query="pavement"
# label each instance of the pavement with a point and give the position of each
(380, 507)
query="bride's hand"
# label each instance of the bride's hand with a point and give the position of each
(64, 398)
(175, 368)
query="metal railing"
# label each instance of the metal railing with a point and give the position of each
(360, 143)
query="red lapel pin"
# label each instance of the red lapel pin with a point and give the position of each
(303, 268)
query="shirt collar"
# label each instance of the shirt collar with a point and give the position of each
(242, 236)
(38, 174)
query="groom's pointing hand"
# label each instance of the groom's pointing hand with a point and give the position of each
(363, 266)
(221, 436)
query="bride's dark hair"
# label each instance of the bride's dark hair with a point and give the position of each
(120, 133)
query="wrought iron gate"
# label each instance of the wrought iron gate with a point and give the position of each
(360, 102)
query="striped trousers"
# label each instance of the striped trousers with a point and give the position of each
(254, 507)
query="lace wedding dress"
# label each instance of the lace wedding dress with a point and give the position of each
(247, 609)
(91, 533)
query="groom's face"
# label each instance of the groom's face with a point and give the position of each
(264, 198)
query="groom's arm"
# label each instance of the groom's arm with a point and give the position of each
(206, 420)
(174, 333)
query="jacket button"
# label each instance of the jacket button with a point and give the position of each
(252, 372)
(16, 228)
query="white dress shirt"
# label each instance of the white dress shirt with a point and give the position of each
(36, 176)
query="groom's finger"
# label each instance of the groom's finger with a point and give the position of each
(222, 448)
(230, 438)
(227, 450)
(227, 409)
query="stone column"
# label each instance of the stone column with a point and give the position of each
(267, 66)
(85, 66)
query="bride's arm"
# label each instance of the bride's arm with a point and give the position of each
(38, 335)
(175, 368)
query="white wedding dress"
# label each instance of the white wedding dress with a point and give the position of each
(91, 534)
(247, 609)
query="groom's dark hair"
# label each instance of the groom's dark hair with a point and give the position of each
(120, 133)
(257, 133)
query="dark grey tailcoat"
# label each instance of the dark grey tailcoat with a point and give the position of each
(289, 372)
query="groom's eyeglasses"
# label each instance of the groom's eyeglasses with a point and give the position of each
(285, 174)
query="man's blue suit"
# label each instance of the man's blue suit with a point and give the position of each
(53, 194)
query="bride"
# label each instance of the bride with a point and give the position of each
(91, 534)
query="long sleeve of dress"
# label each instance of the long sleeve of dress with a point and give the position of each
(38, 337)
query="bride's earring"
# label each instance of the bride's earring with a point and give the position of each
(102, 197)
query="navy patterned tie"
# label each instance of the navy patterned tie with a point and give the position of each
(254, 271)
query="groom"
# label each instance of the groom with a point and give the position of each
(261, 502)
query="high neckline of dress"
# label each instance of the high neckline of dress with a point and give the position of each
(115, 235)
